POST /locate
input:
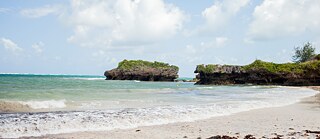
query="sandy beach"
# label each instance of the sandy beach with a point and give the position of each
(299, 120)
(160, 69)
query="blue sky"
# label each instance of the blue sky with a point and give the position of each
(89, 37)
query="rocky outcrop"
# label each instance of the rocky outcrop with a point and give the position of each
(143, 71)
(261, 73)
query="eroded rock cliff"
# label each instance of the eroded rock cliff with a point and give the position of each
(143, 71)
(261, 73)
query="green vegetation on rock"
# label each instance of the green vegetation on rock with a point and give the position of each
(295, 68)
(131, 64)
(304, 71)
(206, 68)
(259, 65)
(305, 61)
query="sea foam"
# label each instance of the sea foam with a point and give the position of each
(37, 124)
(44, 104)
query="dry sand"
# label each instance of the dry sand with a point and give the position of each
(283, 122)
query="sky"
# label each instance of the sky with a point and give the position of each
(91, 36)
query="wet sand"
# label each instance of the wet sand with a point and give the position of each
(299, 120)
(13, 107)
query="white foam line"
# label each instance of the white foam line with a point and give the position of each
(37, 124)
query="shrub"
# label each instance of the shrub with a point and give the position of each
(131, 64)
(206, 68)
(304, 53)
(296, 68)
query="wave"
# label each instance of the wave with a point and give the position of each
(24, 106)
(44, 104)
(109, 118)
(37, 124)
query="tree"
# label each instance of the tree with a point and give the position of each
(302, 54)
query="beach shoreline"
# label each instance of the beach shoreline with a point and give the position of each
(297, 120)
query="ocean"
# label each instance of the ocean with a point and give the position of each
(35, 105)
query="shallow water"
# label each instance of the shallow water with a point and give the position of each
(66, 103)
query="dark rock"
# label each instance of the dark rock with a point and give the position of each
(143, 71)
(313, 132)
(249, 137)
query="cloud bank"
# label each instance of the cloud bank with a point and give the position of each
(219, 14)
(282, 18)
(123, 22)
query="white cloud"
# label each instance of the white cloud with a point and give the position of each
(203, 47)
(42, 11)
(215, 43)
(37, 47)
(190, 49)
(220, 13)
(280, 18)
(221, 41)
(110, 23)
(10, 45)
(4, 10)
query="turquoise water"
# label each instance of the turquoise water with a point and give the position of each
(86, 90)
(71, 103)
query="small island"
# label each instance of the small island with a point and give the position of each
(304, 71)
(143, 71)
(262, 73)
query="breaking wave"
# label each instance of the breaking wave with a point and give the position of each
(42, 123)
